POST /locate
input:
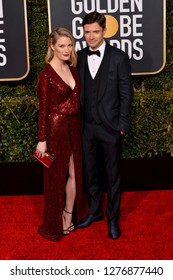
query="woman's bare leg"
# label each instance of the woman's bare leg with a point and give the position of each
(70, 198)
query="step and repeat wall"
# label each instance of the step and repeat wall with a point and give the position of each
(138, 27)
(135, 26)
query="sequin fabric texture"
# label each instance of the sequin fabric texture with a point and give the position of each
(59, 126)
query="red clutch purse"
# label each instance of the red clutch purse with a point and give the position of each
(47, 160)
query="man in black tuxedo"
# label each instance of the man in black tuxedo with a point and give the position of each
(106, 97)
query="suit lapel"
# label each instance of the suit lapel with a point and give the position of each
(104, 71)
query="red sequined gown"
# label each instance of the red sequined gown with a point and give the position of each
(59, 126)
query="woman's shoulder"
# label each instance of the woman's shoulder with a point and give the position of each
(44, 75)
(44, 71)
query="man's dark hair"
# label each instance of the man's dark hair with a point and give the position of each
(95, 17)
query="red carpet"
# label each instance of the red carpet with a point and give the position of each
(146, 222)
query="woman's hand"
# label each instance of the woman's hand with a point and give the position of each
(41, 148)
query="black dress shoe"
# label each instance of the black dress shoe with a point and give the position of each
(87, 221)
(114, 230)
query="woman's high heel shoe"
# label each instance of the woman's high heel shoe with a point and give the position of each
(71, 227)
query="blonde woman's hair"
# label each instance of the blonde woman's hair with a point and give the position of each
(52, 39)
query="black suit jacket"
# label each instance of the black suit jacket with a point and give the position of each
(115, 89)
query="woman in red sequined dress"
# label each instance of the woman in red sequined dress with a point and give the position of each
(58, 88)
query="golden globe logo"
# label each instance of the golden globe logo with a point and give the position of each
(112, 26)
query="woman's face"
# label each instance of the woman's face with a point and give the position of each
(63, 48)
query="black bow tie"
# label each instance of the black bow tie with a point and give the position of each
(94, 52)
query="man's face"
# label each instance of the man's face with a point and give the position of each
(94, 35)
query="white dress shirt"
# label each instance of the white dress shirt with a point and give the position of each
(94, 60)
